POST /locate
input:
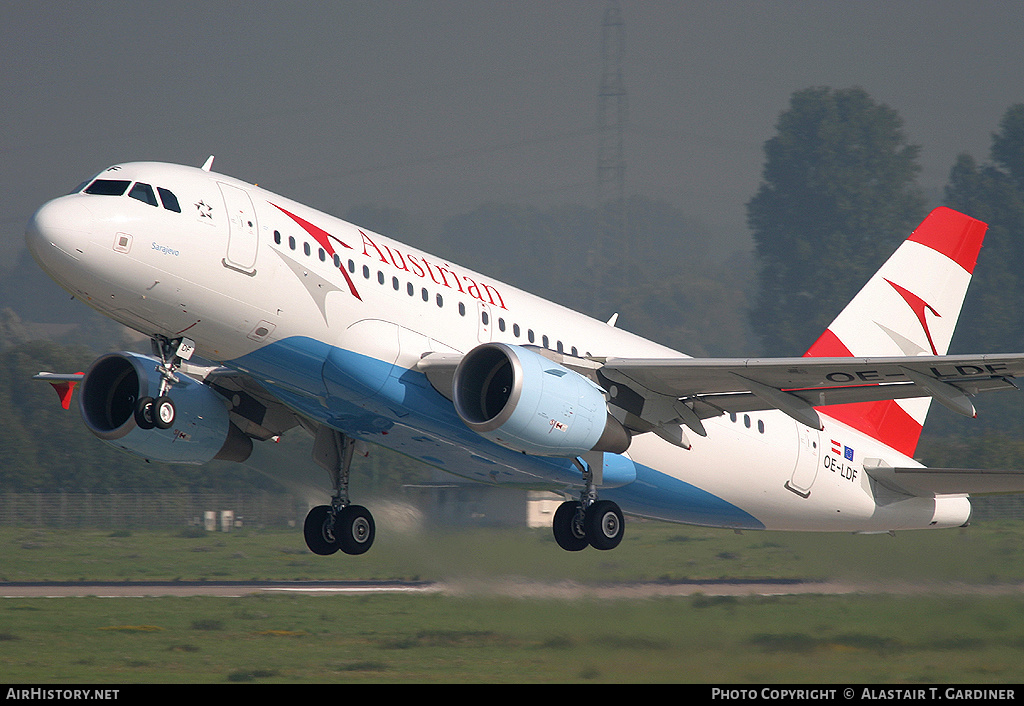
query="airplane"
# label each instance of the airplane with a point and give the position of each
(266, 315)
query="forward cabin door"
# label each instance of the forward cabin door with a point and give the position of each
(243, 233)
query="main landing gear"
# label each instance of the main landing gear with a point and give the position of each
(159, 411)
(588, 521)
(339, 525)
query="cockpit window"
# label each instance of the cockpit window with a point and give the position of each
(170, 201)
(108, 187)
(144, 193)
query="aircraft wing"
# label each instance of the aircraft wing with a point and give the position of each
(660, 394)
(254, 410)
(63, 383)
(710, 387)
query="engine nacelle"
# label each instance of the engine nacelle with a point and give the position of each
(201, 431)
(525, 402)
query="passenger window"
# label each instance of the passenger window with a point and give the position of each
(107, 187)
(169, 200)
(144, 193)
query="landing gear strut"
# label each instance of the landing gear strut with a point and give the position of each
(160, 412)
(588, 521)
(339, 525)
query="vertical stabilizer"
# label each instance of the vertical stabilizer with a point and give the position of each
(908, 308)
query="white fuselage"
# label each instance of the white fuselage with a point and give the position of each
(332, 320)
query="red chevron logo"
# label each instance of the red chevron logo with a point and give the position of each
(324, 239)
(918, 305)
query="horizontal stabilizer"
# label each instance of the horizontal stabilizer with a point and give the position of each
(929, 482)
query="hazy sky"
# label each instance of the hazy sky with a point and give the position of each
(437, 106)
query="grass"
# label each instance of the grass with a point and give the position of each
(652, 551)
(437, 639)
(422, 638)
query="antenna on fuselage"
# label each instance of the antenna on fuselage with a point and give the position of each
(208, 163)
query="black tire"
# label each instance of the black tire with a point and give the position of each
(355, 529)
(144, 413)
(604, 525)
(568, 530)
(164, 412)
(318, 531)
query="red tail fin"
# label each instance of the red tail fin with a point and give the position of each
(909, 307)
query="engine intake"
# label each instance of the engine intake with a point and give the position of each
(525, 402)
(201, 432)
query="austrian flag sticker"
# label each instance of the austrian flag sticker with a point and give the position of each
(840, 450)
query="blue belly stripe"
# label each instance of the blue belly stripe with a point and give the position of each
(365, 397)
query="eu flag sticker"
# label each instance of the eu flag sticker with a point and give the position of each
(848, 453)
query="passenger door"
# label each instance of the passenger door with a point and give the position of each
(243, 232)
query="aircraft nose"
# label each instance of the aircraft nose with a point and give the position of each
(59, 226)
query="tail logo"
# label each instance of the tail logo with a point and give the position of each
(918, 306)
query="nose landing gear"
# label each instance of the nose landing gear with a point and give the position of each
(159, 412)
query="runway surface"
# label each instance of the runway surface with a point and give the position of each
(500, 587)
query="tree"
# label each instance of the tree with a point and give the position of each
(838, 195)
(990, 320)
(1008, 144)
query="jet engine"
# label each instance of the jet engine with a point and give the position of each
(201, 430)
(525, 402)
